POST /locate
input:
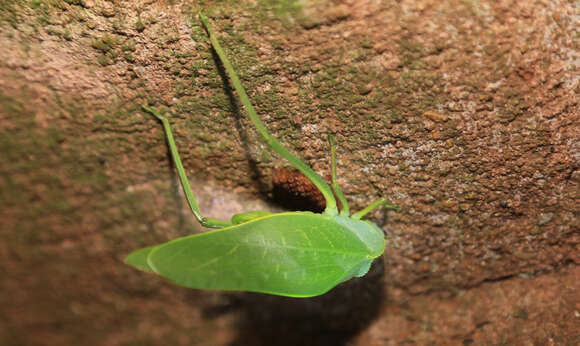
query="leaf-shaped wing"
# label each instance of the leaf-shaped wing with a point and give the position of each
(291, 254)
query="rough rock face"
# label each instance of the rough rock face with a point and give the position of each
(465, 114)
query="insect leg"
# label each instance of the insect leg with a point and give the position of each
(272, 142)
(204, 221)
(337, 191)
(375, 204)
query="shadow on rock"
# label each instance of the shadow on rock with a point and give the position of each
(331, 319)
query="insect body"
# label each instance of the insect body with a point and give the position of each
(296, 254)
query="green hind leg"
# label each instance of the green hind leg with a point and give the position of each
(269, 139)
(204, 221)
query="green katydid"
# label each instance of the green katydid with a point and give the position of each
(295, 254)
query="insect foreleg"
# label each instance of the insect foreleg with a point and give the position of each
(378, 203)
(337, 191)
(204, 221)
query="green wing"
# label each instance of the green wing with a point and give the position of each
(290, 254)
(138, 259)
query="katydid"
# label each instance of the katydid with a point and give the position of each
(294, 254)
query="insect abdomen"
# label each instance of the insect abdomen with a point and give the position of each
(295, 191)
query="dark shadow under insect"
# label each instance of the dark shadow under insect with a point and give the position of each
(331, 319)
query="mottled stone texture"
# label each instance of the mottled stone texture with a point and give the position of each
(464, 113)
